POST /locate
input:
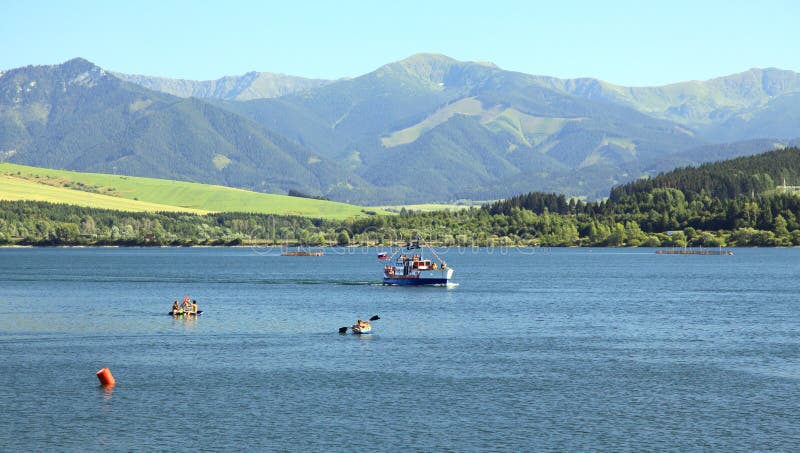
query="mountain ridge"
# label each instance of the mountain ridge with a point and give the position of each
(78, 116)
(251, 85)
(460, 129)
(360, 116)
(693, 103)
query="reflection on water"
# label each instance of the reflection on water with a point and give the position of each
(108, 391)
(185, 321)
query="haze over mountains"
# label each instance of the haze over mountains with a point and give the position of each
(253, 85)
(427, 128)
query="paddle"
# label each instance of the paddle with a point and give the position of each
(343, 330)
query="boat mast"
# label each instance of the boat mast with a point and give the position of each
(419, 238)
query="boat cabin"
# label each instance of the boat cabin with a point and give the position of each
(407, 266)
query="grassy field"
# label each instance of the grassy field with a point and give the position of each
(131, 193)
(13, 188)
(426, 207)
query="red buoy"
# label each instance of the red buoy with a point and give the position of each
(105, 377)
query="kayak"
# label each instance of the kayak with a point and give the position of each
(361, 327)
(366, 330)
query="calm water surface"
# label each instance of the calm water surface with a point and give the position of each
(539, 350)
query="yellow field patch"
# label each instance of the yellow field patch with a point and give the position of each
(163, 194)
(13, 189)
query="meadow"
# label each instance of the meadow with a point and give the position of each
(130, 193)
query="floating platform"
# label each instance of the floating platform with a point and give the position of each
(302, 253)
(185, 313)
(694, 252)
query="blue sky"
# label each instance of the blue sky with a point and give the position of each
(625, 42)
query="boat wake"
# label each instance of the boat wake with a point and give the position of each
(447, 285)
(334, 282)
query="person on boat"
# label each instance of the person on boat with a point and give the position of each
(175, 309)
(194, 307)
(186, 305)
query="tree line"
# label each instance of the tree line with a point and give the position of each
(730, 203)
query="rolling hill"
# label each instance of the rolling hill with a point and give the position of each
(13, 188)
(127, 193)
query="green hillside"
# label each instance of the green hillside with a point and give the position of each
(14, 188)
(77, 116)
(749, 201)
(421, 130)
(447, 129)
(130, 193)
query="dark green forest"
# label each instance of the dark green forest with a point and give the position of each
(740, 202)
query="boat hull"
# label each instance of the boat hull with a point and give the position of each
(415, 281)
(440, 277)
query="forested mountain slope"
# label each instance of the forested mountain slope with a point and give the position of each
(424, 129)
(77, 116)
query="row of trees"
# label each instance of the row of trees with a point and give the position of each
(37, 223)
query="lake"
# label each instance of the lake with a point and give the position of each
(534, 350)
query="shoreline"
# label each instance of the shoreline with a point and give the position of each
(322, 247)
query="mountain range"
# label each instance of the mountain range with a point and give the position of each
(253, 85)
(424, 129)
